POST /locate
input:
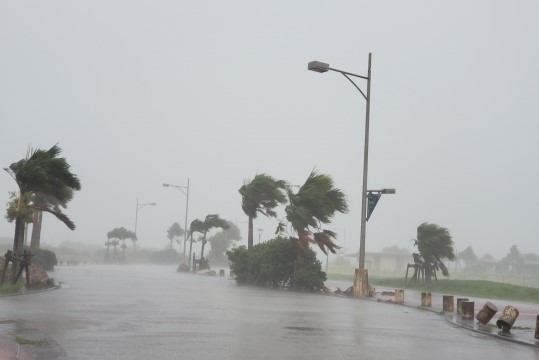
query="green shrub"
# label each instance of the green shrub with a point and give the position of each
(168, 256)
(45, 258)
(273, 264)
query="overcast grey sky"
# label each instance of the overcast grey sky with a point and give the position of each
(138, 93)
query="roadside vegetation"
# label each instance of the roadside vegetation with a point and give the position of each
(273, 264)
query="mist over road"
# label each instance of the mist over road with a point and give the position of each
(152, 312)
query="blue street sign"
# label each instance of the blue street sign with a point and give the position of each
(371, 204)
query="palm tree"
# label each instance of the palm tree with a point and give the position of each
(211, 221)
(41, 201)
(261, 195)
(314, 204)
(434, 244)
(41, 173)
(175, 230)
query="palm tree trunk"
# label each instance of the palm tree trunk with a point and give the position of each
(250, 234)
(36, 230)
(428, 272)
(202, 250)
(17, 246)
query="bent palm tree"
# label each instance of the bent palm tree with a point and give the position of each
(42, 202)
(434, 244)
(314, 204)
(174, 231)
(211, 221)
(261, 195)
(41, 173)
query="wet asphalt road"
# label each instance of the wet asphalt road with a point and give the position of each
(151, 312)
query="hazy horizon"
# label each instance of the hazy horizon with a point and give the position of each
(138, 94)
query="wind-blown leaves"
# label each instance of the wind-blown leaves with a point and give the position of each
(315, 203)
(261, 195)
(434, 244)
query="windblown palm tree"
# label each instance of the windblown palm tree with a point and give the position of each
(434, 244)
(41, 173)
(40, 201)
(314, 204)
(173, 232)
(261, 195)
(211, 221)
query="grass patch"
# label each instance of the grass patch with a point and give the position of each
(8, 289)
(472, 288)
(24, 341)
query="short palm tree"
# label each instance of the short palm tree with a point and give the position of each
(174, 231)
(211, 221)
(434, 244)
(41, 173)
(261, 195)
(314, 204)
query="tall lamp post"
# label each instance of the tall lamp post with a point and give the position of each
(140, 206)
(185, 191)
(361, 283)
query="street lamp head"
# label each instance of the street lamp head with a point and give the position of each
(318, 66)
(387, 191)
(166, 185)
(153, 204)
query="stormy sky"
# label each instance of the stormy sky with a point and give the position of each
(138, 93)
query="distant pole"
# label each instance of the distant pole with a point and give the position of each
(186, 211)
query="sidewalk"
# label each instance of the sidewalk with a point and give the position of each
(20, 342)
(522, 332)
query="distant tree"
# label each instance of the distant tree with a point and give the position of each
(173, 232)
(315, 203)
(116, 236)
(211, 221)
(434, 244)
(221, 242)
(468, 256)
(261, 195)
(514, 256)
(395, 250)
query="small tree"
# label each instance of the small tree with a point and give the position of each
(468, 256)
(434, 244)
(211, 221)
(174, 232)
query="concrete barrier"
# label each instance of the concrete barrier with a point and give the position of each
(467, 309)
(486, 313)
(459, 301)
(448, 303)
(508, 318)
(399, 296)
(426, 299)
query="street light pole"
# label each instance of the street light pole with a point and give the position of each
(365, 171)
(361, 285)
(186, 193)
(139, 206)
